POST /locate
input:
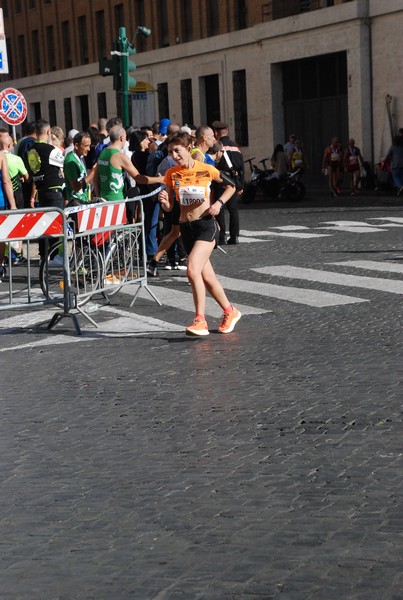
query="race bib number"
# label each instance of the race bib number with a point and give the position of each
(191, 195)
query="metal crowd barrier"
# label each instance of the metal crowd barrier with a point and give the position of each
(105, 252)
(90, 250)
(21, 287)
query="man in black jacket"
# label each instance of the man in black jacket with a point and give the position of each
(45, 165)
(231, 163)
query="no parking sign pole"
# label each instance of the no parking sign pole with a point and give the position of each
(13, 108)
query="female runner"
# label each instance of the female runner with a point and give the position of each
(189, 184)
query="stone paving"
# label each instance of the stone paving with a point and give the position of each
(266, 464)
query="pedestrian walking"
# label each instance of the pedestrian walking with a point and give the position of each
(332, 165)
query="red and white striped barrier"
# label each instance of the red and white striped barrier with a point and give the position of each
(103, 215)
(30, 225)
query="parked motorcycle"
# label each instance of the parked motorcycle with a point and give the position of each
(273, 187)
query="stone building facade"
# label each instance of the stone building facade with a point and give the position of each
(315, 67)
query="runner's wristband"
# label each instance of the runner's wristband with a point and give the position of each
(221, 201)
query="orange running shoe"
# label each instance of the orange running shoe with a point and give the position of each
(198, 327)
(229, 321)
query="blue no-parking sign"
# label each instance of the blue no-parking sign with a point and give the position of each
(13, 106)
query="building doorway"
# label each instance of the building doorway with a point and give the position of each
(210, 99)
(315, 106)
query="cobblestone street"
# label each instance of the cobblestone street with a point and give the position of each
(266, 464)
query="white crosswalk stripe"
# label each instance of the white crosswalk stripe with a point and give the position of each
(309, 297)
(184, 300)
(329, 277)
(250, 235)
(370, 265)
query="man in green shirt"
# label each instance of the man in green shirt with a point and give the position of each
(111, 164)
(75, 172)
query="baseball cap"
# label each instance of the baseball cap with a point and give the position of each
(72, 133)
(164, 124)
(219, 125)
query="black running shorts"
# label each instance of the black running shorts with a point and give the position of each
(204, 229)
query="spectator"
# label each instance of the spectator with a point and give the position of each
(23, 147)
(279, 161)
(297, 159)
(204, 140)
(6, 202)
(231, 162)
(289, 145)
(16, 168)
(17, 173)
(353, 163)
(69, 141)
(151, 205)
(75, 170)
(395, 156)
(90, 159)
(111, 165)
(102, 131)
(57, 137)
(45, 164)
(139, 143)
(332, 165)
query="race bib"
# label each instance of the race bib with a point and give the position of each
(191, 195)
(353, 160)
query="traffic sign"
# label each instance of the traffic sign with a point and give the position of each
(13, 106)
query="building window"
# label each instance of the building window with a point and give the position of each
(32, 4)
(187, 21)
(240, 14)
(47, 1)
(213, 17)
(240, 107)
(52, 112)
(17, 6)
(82, 36)
(100, 33)
(163, 101)
(187, 101)
(22, 63)
(67, 62)
(119, 16)
(101, 101)
(35, 111)
(83, 112)
(50, 44)
(5, 8)
(163, 31)
(68, 115)
(36, 52)
(140, 19)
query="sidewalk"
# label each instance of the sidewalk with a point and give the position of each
(319, 198)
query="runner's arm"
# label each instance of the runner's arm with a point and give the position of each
(225, 196)
(166, 198)
(126, 164)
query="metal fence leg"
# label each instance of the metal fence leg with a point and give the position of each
(57, 317)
